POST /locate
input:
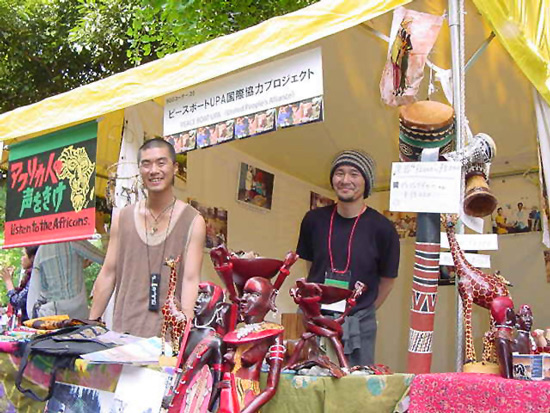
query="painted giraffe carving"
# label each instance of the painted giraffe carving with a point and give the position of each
(474, 287)
(174, 319)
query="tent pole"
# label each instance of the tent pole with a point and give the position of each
(456, 25)
(479, 51)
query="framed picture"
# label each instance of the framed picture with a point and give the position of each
(255, 186)
(181, 159)
(224, 131)
(404, 222)
(516, 218)
(305, 111)
(185, 141)
(255, 124)
(447, 275)
(206, 135)
(216, 223)
(317, 200)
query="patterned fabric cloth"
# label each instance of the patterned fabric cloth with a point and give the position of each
(470, 392)
(296, 394)
(98, 376)
(365, 394)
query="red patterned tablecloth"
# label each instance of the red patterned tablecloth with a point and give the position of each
(479, 393)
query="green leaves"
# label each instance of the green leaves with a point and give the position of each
(50, 46)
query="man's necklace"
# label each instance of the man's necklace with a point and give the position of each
(155, 227)
(162, 257)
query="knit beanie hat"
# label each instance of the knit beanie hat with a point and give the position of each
(360, 160)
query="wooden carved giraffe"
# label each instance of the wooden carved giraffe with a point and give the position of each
(174, 318)
(474, 286)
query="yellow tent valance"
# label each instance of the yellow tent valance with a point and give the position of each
(192, 66)
(523, 28)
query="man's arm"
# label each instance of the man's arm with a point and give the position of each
(193, 266)
(384, 288)
(88, 251)
(308, 266)
(105, 282)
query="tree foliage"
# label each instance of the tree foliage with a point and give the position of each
(165, 27)
(50, 46)
(38, 58)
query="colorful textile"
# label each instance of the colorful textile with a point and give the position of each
(300, 394)
(413, 35)
(101, 376)
(521, 27)
(306, 394)
(470, 392)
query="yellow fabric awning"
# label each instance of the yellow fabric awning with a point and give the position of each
(190, 67)
(523, 28)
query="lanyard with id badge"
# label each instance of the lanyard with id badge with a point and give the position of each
(339, 278)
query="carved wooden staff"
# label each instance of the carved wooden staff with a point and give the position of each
(424, 125)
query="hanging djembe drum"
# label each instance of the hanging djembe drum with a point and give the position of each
(476, 158)
(424, 125)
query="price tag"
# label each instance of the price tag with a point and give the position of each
(477, 260)
(473, 242)
(426, 187)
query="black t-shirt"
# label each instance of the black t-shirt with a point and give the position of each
(374, 248)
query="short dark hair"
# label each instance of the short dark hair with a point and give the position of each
(157, 143)
(31, 251)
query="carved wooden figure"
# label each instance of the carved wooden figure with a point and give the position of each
(309, 297)
(196, 388)
(524, 342)
(235, 271)
(474, 286)
(174, 319)
(248, 346)
(502, 311)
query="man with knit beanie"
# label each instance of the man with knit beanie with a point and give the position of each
(350, 242)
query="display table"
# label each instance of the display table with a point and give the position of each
(470, 392)
(300, 394)
(365, 394)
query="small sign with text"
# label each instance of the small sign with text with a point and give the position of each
(432, 187)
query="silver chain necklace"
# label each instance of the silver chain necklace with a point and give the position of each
(154, 227)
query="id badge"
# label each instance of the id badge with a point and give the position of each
(337, 279)
(154, 290)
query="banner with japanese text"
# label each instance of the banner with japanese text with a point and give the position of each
(277, 92)
(51, 188)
